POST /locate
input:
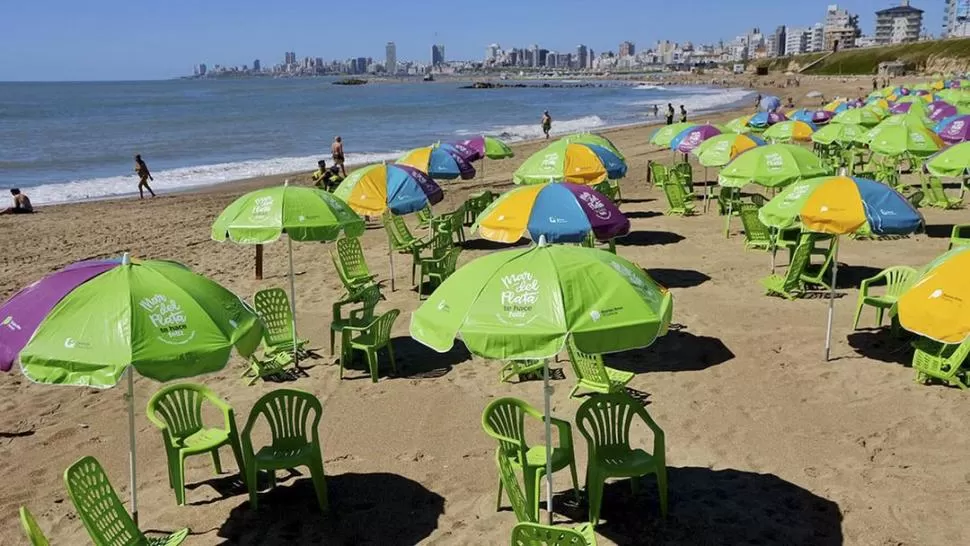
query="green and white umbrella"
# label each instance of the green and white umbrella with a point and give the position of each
(951, 162)
(842, 134)
(895, 140)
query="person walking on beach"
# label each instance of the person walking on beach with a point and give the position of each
(337, 153)
(546, 123)
(683, 114)
(670, 114)
(21, 203)
(144, 175)
(656, 111)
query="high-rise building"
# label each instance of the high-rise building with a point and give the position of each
(200, 70)
(551, 59)
(437, 55)
(256, 66)
(776, 42)
(290, 58)
(492, 52)
(582, 56)
(840, 30)
(590, 57)
(627, 49)
(362, 63)
(796, 41)
(956, 19)
(816, 38)
(542, 56)
(390, 58)
(898, 24)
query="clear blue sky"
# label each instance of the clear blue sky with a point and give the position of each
(115, 39)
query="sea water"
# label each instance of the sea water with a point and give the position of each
(64, 142)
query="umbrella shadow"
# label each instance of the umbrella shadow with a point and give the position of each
(485, 244)
(232, 485)
(678, 351)
(418, 361)
(638, 201)
(377, 508)
(712, 507)
(677, 278)
(938, 231)
(648, 238)
(851, 276)
(880, 344)
(642, 214)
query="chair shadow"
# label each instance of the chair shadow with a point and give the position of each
(642, 214)
(231, 485)
(880, 344)
(677, 278)
(938, 231)
(678, 351)
(713, 507)
(378, 508)
(647, 238)
(485, 244)
(851, 276)
(417, 361)
(638, 201)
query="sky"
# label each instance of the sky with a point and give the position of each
(69, 40)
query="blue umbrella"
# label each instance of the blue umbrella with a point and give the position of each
(439, 162)
(770, 103)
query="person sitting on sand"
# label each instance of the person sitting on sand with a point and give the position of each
(326, 179)
(546, 123)
(21, 203)
(144, 175)
(683, 114)
(337, 153)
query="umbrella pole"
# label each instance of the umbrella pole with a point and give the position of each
(131, 444)
(289, 248)
(727, 223)
(828, 328)
(547, 395)
(390, 259)
(707, 191)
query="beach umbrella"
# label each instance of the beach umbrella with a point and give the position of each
(400, 189)
(940, 110)
(575, 162)
(913, 118)
(525, 303)
(937, 306)
(953, 161)
(877, 102)
(817, 117)
(769, 103)
(438, 162)
(485, 146)
(593, 138)
(93, 321)
(663, 135)
(738, 125)
(719, 150)
(867, 117)
(840, 133)
(772, 166)
(560, 212)
(787, 131)
(692, 137)
(840, 205)
(954, 129)
(894, 140)
(766, 119)
(302, 213)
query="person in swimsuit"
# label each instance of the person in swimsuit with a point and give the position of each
(144, 175)
(670, 114)
(21, 203)
(683, 114)
(337, 153)
(656, 111)
(546, 123)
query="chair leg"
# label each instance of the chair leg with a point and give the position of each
(251, 482)
(319, 484)
(662, 489)
(594, 488)
(879, 312)
(180, 481)
(390, 353)
(372, 364)
(858, 313)
(531, 494)
(333, 335)
(572, 470)
(498, 501)
(237, 454)
(216, 463)
(537, 490)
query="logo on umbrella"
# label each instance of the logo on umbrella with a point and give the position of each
(262, 207)
(519, 296)
(596, 205)
(774, 161)
(550, 161)
(10, 324)
(169, 317)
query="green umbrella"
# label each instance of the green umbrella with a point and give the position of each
(841, 134)
(894, 140)
(867, 117)
(303, 214)
(663, 135)
(772, 166)
(525, 303)
(738, 125)
(951, 162)
(599, 140)
(959, 97)
(909, 119)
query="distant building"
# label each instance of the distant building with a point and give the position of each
(256, 66)
(865, 41)
(796, 41)
(840, 30)
(390, 58)
(627, 49)
(956, 19)
(816, 38)
(582, 56)
(898, 24)
(290, 57)
(590, 57)
(201, 69)
(541, 57)
(362, 63)
(564, 60)
(492, 52)
(437, 55)
(777, 42)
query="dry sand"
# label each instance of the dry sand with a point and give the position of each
(766, 443)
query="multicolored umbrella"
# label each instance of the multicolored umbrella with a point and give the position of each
(402, 189)
(954, 161)
(560, 212)
(772, 166)
(722, 149)
(766, 119)
(567, 161)
(665, 134)
(438, 162)
(878, 102)
(485, 146)
(940, 110)
(840, 205)
(598, 140)
(937, 306)
(791, 130)
(91, 322)
(840, 133)
(894, 140)
(867, 117)
(835, 104)
(816, 117)
(954, 130)
(738, 125)
(691, 138)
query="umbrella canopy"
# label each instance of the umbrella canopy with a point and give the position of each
(691, 138)
(304, 214)
(833, 105)
(486, 146)
(817, 117)
(738, 125)
(438, 162)
(769, 103)
(913, 118)
(665, 134)
(940, 110)
(720, 150)
(560, 212)
(570, 162)
(593, 138)
(878, 102)
(951, 162)
(840, 133)
(959, 97)
(894, 140)
(772, 166)
(467, 153)
(954, 130)
(938, 305)
(867, 117)
(402, 189)
(787, 131)
(766, 119)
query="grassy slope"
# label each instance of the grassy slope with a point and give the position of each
(866, 61)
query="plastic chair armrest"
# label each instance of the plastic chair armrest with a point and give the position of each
(150, 414)
(565, 432)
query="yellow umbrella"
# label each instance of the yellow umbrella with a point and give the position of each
(938, 305)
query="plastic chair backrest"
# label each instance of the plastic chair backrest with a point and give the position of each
(293, 417)
(31, 529)
(535, 534)
(510, 482)
(589, 368)
(381, 328)
(179, 407)
(684, 169)
(754, 230)
(450, 262)
(102, 513)
(758, 200)
(916, 198)
(899, 279)
(398, 234)
(659, 173)
(273, 307)
(605, 421)
(442, 243)
(351, 257)
(799, 260)
(504, 420)
(676, 196)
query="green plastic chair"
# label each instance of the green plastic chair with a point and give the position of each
(435, 249)
(476, 204)
(960, 236)
(684, 173)
(367, 300)
(659, 173)
(177, 411)
(424, 216)
(402, 241)
(897, 280)
(728, 200)
(790, 285)
(917, 198)
(677, 201)
(370, 339)
(437, 269)
(757, 200)
(937, 195)
(350, 264)
(605, 421)
(101, 512)
(504, 420)
(275, 365)
(756, 234)
(590, 242)
(31, 529)
(519, 368)
(592, 374)
(818, 274)
(293, 419)
(273, 307)
(452, 223)
(944, 362)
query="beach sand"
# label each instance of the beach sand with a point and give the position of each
(766, 442)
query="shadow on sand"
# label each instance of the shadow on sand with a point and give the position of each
(380, 508)
(678, 351)
(713, 507)
(648, 238)
(485, 244)
(881, 345)
(939, 231)
(677, 278)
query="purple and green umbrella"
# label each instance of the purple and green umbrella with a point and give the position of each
(954, 129)
(692, 137)
(480, 147)
(818, 117)
(940, 110)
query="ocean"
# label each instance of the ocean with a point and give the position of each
(64, 142)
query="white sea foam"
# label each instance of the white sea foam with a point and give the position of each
(513, 133)
(183, 178)
(648, 87)
(698, 101)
